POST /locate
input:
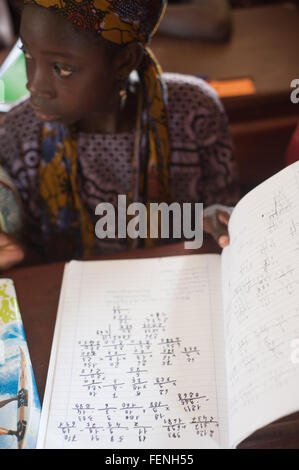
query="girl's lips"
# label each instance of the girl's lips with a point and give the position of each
(46, 117)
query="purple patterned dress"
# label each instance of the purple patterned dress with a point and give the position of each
(202, 167)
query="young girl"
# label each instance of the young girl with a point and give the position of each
(92, 130)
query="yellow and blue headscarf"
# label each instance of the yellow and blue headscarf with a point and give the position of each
(121, 22)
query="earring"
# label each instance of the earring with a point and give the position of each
(123, 96)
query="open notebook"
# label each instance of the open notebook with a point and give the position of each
(181, 352)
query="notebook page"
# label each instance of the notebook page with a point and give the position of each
(261, 304)
(133, 363)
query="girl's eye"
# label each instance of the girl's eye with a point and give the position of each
(63, 72)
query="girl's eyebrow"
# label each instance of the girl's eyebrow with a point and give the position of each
(68, 55)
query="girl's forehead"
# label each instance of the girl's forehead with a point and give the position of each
(46, 28)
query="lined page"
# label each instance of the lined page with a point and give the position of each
(133, 363)
(261, 304)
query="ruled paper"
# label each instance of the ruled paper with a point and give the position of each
(261, 304)
(137, 359)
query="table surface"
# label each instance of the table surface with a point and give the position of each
(38, 289)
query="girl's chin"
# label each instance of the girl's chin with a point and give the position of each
(47, 117)
(55, 118)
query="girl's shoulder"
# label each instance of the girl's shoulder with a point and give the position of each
(20, 119)
(19, 131)
(190, 93)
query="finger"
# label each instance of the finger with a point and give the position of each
(217, 230)
(4, 240)
(11, 253)
(10, 256)
(223, 217)
(212, 226)
(223, 241)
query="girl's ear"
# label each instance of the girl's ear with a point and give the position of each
(128, 59)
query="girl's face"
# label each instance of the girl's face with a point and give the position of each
(70, 77)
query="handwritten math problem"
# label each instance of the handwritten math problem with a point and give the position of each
(261, 305)
(113, 365)
(137, 373)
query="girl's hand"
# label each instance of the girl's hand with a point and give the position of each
(11, 251)
(215, 221)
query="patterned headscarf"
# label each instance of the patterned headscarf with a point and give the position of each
(121, 22)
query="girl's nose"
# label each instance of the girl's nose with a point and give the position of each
(40, 86)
